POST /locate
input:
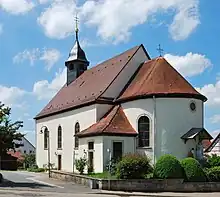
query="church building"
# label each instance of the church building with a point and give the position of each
(127, 104)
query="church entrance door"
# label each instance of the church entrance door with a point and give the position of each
(59, 161)
(117, 150)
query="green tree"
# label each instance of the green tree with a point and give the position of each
(9, 133)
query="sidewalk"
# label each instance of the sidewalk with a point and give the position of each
(162, 194)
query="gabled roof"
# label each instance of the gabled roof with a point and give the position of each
(214, 142)
(158, 78)
(192, 133)
(89, 86)
(114, 122)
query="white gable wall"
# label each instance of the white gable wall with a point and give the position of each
(173, 118)
(27, 147)
(122, 79)
(86, 116)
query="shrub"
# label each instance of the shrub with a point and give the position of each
(193, 170)
(112, 166)
(168, 167)
(81, 164)
(36, 170)
(29, 160)
(212, 161)
(133, 166)
(213, 174)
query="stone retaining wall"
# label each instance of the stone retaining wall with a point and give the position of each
(151, 185)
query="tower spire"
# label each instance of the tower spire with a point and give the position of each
(76, 27)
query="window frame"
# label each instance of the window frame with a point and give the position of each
(142, 140)
(59, 138)
(76, 130)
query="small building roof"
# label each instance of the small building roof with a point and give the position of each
(114, 122)
(158, 78)
(192, 133)
(214, 142)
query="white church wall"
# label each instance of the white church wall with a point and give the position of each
(122, 79)
(97, 153)
(85, 116)
(135, 109)
(128, 144)
(174, 119)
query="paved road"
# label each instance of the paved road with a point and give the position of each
(25, 184)
(40, 182)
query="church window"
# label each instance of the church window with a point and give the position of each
(46, 138)
(143, 131)
(59, 137)
(77, 130)
(192, 106)
(71, 67)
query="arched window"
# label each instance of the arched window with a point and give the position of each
(46, 138)
(143, 131)
(77, 130)
(59, 137)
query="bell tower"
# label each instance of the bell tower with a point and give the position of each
(77, 62)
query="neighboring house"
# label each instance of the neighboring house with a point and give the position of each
(26, 146)
(214, 147)
(127, 104)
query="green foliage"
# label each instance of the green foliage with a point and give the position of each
(36, 170)
(168, 167)
(81, 164)
(212, 161)
(213, 174)
(193, 170)
(133, 166)
(8, 130)
(29, 160)
(112, 166)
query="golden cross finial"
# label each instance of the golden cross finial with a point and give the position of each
(77, 22)
(160, 50)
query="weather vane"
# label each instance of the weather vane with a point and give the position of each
(160, 50)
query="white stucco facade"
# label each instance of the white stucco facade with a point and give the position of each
(170, 118)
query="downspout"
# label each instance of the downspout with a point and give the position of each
(154, 138)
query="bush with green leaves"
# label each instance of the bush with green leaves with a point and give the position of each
(212, 161)
(112, 166)
(133, 166)
(193, 170)
(168, 167)
(213, 174)
(36, 170)
(81, 164)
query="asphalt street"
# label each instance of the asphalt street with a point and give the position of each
(26, 181)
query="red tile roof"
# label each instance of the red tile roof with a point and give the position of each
(89, 86)
(114, 122)
(206, 143)
(157, 77)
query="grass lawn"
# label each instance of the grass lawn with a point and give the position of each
(104, 175)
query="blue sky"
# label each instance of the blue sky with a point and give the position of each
(36, 36)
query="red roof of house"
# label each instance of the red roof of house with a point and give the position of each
(157, 77)
(206, 143)
(114, 122)
(89, 86)
(16, 154)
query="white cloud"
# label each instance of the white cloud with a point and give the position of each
(212, 92)
(46, 90)
(44, 1)
(189, 65)
(11, 96)
(17, 6)
(215, 133)
(49, 56)
(215, 119)
(57, 20)
(114, 19)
